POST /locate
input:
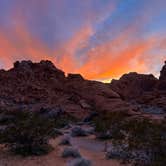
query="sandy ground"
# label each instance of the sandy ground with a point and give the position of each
(89, 148)
(54, 158)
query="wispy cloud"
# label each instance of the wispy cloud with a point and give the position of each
(100, 40)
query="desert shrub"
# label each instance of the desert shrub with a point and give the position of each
(110, 122)
(144, 140)
(148, 137)
(28, 133)
(63, 120)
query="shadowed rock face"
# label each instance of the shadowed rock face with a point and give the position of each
(33, 86)
(145, 89)
(133, 84)
(162, 79)
(163, 73)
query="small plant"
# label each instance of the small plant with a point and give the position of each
(28, 133)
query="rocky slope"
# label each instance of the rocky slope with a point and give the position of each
(33, 86)
(142, 89)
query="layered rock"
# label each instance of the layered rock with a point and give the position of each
(133, 85)
(33, 86)
(143, 89)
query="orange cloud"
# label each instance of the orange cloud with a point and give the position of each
(112, 59)
(21, 45)
(67, 53)
(109, 60)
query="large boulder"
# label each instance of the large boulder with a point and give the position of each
(78, 131)
(77, 77)
(132, 85)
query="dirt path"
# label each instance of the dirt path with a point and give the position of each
(93, 150)
(89, 148)
(54, 158)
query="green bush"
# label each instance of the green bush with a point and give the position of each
(28, 133)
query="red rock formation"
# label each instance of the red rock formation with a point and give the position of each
(35, 85)
(133, 85)
(162, 78)
(144, 89)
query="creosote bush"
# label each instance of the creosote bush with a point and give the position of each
(149, 137)
(27, 133)
(144, 140)
(110, 122)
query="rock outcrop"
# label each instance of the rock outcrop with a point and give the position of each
(33, 86)
(133, 85)
(162, 79)
(143, 89)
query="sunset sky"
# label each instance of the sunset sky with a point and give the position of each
(101, 39)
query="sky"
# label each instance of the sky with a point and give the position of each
(100, 39)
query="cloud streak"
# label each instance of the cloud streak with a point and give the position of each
(100, 40)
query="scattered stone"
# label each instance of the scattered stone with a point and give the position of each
(117, 153)
(80, 123)
(51, 112)
(70, 152)
(141, 157)
(68, 126)
(65, 141)
(58, 132)
(80, 162)
(90, 131)
(90, 117)
(3, 128)
(84, 104)
(104, 135)
(153, 110)
(78, 131)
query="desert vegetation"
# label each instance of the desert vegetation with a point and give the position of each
(136, 140)
(28, 133)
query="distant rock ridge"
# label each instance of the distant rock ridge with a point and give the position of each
(143, 88)
(134, 84)
(34, 86)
